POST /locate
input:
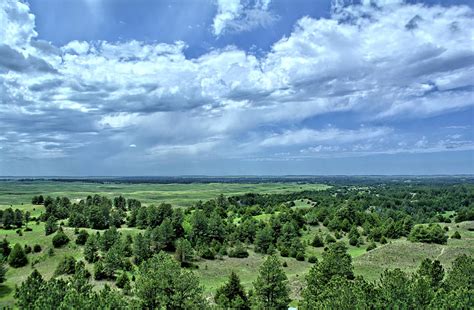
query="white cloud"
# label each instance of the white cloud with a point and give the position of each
(331, 135)
(379, 63)
(240, 16)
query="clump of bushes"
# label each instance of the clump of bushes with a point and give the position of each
(456, 235)
(37, 248)
(60, 239)
(17, 257)
(371, 246)
(432, 233)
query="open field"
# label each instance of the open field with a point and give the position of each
(398, 253)
(18, 192)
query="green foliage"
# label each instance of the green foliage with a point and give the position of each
(317, 241)
(91, 249)
(17, 257)
(335, 263)
(371, 246)
(232, 294)
(51, 226)
(263, 239)
(271, 286)
(60, 239)
(161, 283)
(184, 252)
(3, 269)
(239, 251)
(66, 266)
(432, 233)
(456, 235)
(123, 280)
(37, 248)
(5, 248)
(82, 236)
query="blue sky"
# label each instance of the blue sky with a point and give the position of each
(226, 87)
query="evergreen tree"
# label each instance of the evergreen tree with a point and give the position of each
(271, 286)
(17, 257)
(263, 239)
(184, 252)
(91, 249)
(232, 294)
(161, 283)
(50, 226)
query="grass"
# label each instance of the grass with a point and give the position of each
(16, 192)
(213, 273)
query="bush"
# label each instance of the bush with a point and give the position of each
(456, 235)
(37, 248)
(28, 229)
(383, 240)
(330, 239)
(82, 236)
(312, 259)
(317, 241)
(122, 280)
(371, 246)
(432, 233)
(17, 257)
(60, 239)
(300, 256)
(66, 266)
(27, 249)
(99, 271)
(239, 251)
(285, 264)
(207, 252)
(284, 252)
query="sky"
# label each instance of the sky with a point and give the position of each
(236, 87)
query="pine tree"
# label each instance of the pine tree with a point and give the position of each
(232, 294)
(271, 286)
(17, 257)
(91, 249)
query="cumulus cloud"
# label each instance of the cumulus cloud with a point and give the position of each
(241, 15)
(379, 61)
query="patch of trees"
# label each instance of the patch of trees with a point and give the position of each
(14, 218)
(433, 233)
(330, 284)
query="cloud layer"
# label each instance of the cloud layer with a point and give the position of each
(378, 63)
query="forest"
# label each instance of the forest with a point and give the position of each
(118, 252)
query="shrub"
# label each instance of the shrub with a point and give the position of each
(66, 266)
(284, 252)
(27, 249)
(330, 239)
(285, 264)
(99, 271)
(371, 246)
(122, 280)
(312, 259)
(456, 235)
(28, 229)
(383, 240)
(207, 252)
(300, 256)
(82, 236)
(17, 257)
(432, 233)
(37, 248)
(317, 241)
(239, 251)
(60, 239)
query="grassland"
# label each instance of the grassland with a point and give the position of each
(396, 254)
(18, 192)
